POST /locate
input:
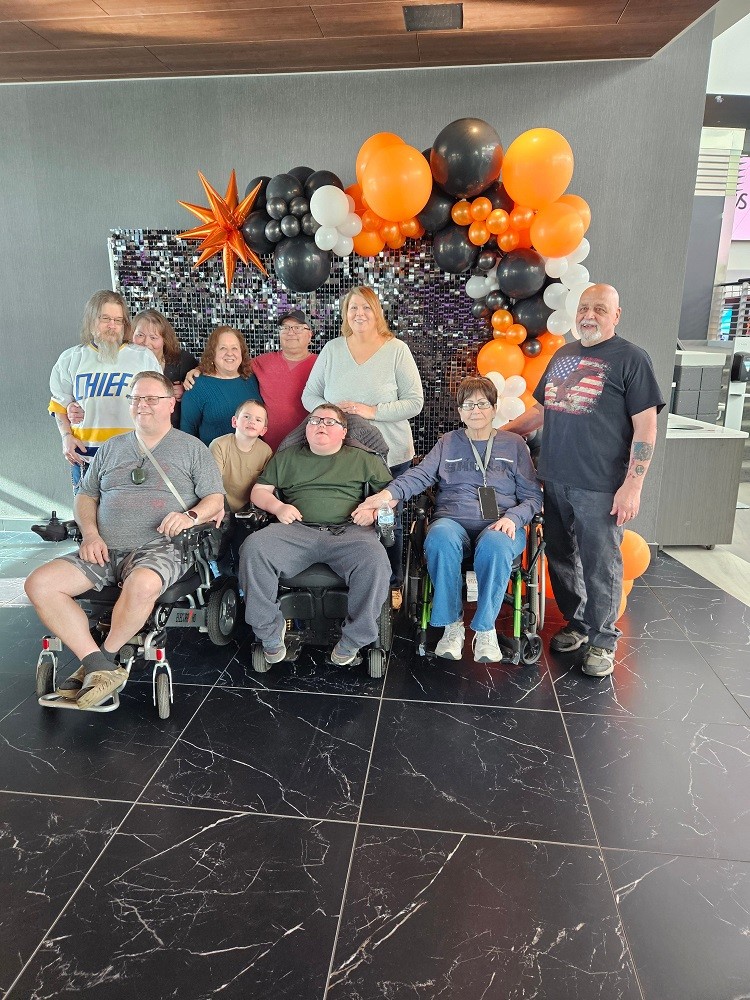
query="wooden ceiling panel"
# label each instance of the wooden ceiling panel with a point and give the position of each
(81, 64)
(160, 29)
(21, 10)
(16, 37)
(645, 11)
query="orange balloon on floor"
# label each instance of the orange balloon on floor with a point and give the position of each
(636, 555)
(397, 182)
(534, 369)
(557, 230)
(500, 356)
(580, 205)
(367, 244)
(537, 167)
(381, 140)
(627, 586)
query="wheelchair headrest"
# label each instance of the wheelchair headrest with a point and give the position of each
(360, 433)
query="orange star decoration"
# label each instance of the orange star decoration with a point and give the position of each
(221, 227)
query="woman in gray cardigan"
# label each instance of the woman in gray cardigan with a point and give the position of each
(368, 371)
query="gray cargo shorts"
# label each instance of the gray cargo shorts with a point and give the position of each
(163, 558)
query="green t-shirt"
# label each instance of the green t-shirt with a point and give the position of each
(324, 488)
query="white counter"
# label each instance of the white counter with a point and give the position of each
(684, 428)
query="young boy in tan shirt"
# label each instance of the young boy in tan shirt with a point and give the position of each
(242, 456)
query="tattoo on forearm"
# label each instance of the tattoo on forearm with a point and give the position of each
(643, 451)
(639, 470)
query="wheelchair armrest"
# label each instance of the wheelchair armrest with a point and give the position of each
(191, 539)
(537, 519)
(57, 531)
(252, 518)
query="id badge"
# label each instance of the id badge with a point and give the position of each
(488, 503)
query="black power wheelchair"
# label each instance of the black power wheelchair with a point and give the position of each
(202, 598)
(526, 596)
(314, 602)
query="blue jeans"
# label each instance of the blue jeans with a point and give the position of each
(585, 564)
(396, 551)
(446, 546)
(77, 472)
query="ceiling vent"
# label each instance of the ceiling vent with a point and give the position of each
(434, 17)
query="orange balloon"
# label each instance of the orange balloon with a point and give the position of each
(516, 334)
(396, 242)
(355, 192)
(508, 241)
(410, 227)
(551, 342)
(389, 231)
(420, 231)
(367, 244)
(498, 356)
(478, 233)
(381, 140)
(397, 182)
(498, 221)
(502, 320)
(627, 586)
(498, 334)
(635, 555)
(534, 369)
(480, 209)
(461, 213)
(537, 167)
(527, 398)
(582, 207)
(521, 218)
(370, 221)
(557, 230)
(524, 239)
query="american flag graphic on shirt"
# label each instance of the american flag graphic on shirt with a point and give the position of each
(575, 384)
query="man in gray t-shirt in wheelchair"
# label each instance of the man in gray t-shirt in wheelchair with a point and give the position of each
(127, 515)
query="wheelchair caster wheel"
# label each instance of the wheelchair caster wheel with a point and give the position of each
(45, 676)
(375, 662)
(531, 649)
(260, 663)
(163, 701)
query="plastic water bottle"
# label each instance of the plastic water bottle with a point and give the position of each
(387, 525)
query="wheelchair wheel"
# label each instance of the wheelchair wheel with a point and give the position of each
(375, 662)
(163, 705)
(260, 663)
(45, 675)
(222, 612)
(385, 627)
(531, 649)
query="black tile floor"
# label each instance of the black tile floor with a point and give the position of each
(455, 832)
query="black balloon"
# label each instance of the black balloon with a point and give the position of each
(254, 232)
(299, 207)
(319, 179)
(532, 313)
(499, 197)
(300, 265)
(452, 249)
(290, 226)
(479, 309)
(437, 212)
(260, 198)
(496, 300)
(301, 173)
(276, 208)
(487, 260)
(273, 231)
(309, 225)
(521, 273)
(531, 347)
(284, 186)
(466, 157)
(426, 153)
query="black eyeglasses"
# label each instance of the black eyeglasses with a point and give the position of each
(138, 474)
(481, 404)
(326, 421)
(148, 400)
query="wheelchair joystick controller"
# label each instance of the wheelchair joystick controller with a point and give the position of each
(53, 531)
(387, 525)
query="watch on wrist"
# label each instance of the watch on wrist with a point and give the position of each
(192, 515)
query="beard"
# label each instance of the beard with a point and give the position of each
(589, 337)
(108, 350)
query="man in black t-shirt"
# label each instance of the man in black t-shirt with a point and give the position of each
(598, 400)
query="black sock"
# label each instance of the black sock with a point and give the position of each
(97, 661)
(112, 657)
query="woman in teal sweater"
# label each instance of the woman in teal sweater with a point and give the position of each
(226, 366)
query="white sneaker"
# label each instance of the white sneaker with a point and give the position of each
(486, 648)
(451, 646)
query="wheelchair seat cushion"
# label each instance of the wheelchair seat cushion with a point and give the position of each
(108, 596)
(317, 575)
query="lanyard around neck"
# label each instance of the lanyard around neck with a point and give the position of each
(483, 465)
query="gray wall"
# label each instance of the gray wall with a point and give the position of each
(78, 159)
(700, 267)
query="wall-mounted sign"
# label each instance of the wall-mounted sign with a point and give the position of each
(741, 225)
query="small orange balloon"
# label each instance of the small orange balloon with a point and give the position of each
(370, 221)
(636, 555)
(397, 242)
(461, 213)
(498, 221)
(508, 241)
(534, 369)
(410, 227)
(355, 192)
(381, 140)
(557, 230)
(627, 586)
(478, 233)
(480, 209)
(498, 334)
(521, 218)
(524, 239)
(551, 342)
(516, 334)
(389, 231)
(502, 320)
(367, 244)
(499, 356)
(580, 205)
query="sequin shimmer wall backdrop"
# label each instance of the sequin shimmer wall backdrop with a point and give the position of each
(425, 306)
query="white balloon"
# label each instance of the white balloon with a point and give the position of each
(554, 295)
(351, 226)
(326, 237)
(510, 407)
(343, 246)
(352, 204)
(575, 275)
(498, 421)
(497, 380)
(329, 205)
(556, 266)
(580, 253)
(514, 386)
(476, 287)
(572, 299)
(492, 283)
(559, 322)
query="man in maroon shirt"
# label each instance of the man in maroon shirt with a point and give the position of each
(282, 376)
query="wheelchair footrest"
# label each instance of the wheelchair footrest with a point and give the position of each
(511, 649)
(57, 701)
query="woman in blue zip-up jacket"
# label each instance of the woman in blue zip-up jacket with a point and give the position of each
(487, 491)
